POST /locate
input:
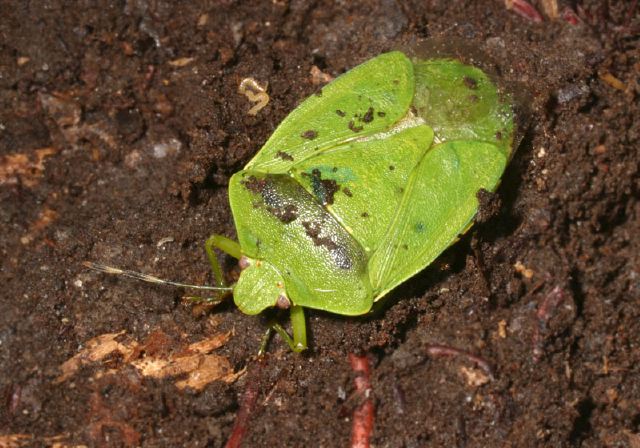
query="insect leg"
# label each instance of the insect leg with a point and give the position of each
(299, 341)
(265, 340)
(227, 246)
(299, 327)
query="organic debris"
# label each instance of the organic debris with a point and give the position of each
(24, 169)
(196, 366)
(256, 93)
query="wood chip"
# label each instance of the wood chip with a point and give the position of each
(195, 365)
(181, 62)
(24, 169)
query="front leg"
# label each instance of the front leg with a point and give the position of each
(299, 326)
(227, 246)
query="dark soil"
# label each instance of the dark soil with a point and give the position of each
(114, 149)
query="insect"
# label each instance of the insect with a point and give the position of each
(363, 185)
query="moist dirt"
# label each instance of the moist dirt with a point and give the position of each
(120, 125)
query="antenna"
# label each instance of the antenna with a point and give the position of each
(150, 278)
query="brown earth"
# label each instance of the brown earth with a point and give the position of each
(120, 125)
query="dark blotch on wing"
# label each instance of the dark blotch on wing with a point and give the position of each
(368, 116)
(340, 254)
(310, 134)
(284, 156)
(273, 201)
(353, 126)
(286, 214)
(254, 185)
(470, 82)
(323, 189)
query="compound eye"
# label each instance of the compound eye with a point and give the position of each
(244, 262)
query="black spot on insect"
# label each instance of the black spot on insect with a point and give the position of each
(368, 116)
(381, 114)
(419, 227)
(474, 98)
(391, 167)
(498, 135)
(340, 113)
(284, 156)
(272, 200)
(309, 135)
(364, 214)
(347, 192)
(285, 214)
(318, 93)
(470, 82)
(254, 185)
(353, 127)
(323, 189)
(339, 253)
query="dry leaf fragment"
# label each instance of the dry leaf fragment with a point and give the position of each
(474, 377)
(14, 440)
(502, 328)
(24, 169)
(200, 367)
(523, 270)
(181, 62)
(96, 349)
(634, 439)
(319, 77)
(196, 366)
(208, 345)
(46, 217)
(550, 8)
(203, 19)
(611, 80)
(62, 108)
(20, 440)
(210, 368)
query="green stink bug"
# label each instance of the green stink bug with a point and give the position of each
(363, 185)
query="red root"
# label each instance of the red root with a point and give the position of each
(524, 9)
(363, 415)
(570, 16)
(550, 303)
(247, 406)
(544, 313)
(148, 76)
(444, 350)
